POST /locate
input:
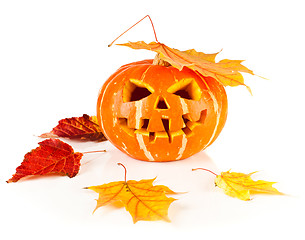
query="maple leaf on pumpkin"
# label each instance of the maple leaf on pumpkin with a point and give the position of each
(241, 185)
(52, 156)
(141, 199)
(84, 128)
(226, 71)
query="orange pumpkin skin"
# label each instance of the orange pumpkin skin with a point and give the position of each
(158, 113)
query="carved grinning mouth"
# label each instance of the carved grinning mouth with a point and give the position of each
(187, 129)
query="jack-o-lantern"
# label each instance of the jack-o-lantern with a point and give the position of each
(158, 113)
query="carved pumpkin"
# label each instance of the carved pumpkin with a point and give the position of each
(158, 113)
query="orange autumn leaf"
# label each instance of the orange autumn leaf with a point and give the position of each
(141, 199)
(84, 128)
(52, 156)
(226, 71)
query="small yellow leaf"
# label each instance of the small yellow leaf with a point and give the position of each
(140, 198)
(241, 185)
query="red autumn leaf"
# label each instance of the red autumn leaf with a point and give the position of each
(84, 128)
(52, 156)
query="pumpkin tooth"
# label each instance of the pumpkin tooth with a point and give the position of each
(187, 131)
(142, 132)
(155, 123)
(203, 115)
(172, 135)
(123, 123)
(186, 118)
(192, 125)
(166, 124)
(152, 137)
(145, 123)
(161, 135)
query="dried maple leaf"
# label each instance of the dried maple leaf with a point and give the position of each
(241, 185)
(85, 128)
(226, 71)
(52, 156)
(140, 198)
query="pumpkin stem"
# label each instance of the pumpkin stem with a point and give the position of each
(160, 62)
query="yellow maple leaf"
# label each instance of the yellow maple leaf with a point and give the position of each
(140, 198)
(241, 185)
(226, 71)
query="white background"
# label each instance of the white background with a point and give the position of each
(53, 60)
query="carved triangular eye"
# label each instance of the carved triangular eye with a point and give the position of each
(136, 90)
(186, 88)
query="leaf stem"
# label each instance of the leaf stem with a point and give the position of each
(94, 151)
(205, 170)
(120, 164)
(135, 25)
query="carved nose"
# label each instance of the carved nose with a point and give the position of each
(161, 103)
